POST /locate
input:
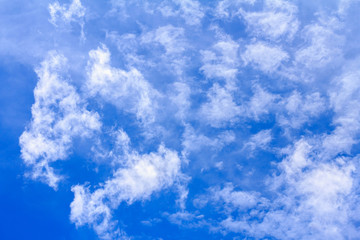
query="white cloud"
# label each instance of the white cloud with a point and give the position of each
(277, 20)
(230, 8)
(190, 10)
(314, 200)
(298, 109)
(323, 45)
(181, 99)
(345, 5)
(170, 37)
(220, 108)
(344, 99)
(318, 194)
(128, 91)
(261, 103)
(119, 7)
(222, 61)
(195, 142)
(259, 140)
(187, 219)
(264, 56)
(66, 13)
(142, 175)
(229, 198)
(203, 83)
(58, 115)
(173, 43)
(297, 160)
(63, 15)
(126, 43)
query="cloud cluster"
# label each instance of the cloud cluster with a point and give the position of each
(312, 199)
(246, 111)
(128, 91)
(138, 179)
(58, 116)
(66, 13)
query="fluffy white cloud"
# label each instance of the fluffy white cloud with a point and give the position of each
(220, 108)
(264, 56)
(313, 200)
(260, 103)
(278, 20)
(128, 91)
(187, 82)
(58, 115)
(138, 179)
(324, 45)
(229, 198)
(181, 99)
(317, 197)
(344, 99)
(221, 61)
(298, 109)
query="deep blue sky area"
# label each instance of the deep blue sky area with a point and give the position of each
(179, 119)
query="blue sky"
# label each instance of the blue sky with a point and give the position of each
(181, 119)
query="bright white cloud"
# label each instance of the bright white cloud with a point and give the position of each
(221, 61)
(299, 109)
(264, 56)
(345, 99)
(142, 175)
(323, 44)
(314, 200)
(220, 108)
(229, 198)
(278, 20)
(181, 99)
(128, 91)
(260, 103)
(199, 76)
(58, 115)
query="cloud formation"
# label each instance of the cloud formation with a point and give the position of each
(242, 114)
(58, 116)
(138, 179)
